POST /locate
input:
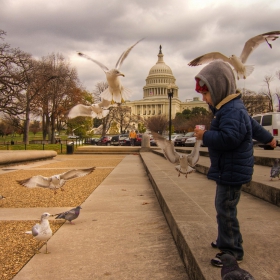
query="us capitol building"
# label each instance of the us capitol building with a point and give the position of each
(155, 94)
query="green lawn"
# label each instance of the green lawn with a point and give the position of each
(36, 143)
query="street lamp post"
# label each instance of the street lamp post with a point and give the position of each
(170, 96)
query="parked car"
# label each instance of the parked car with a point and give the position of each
(125, 141)
(104, 141)
(153, 142)
(73, 137)
(91, 141)
(175, 136)
(190, 142)
(138, 140)
(180, 141)
(271, 122)
(115, 140)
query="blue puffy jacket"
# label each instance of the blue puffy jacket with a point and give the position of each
(230, 144)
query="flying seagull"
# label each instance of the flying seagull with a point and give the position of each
(115, 92)
(241, 70)
(56, 181)
(186, 161)
(69, 215)
(231, 270)
(98, 110)
(42, 231)
(275, 170)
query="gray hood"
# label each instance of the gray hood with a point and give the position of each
(219, 79)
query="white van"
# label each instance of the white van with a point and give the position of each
(271, 122)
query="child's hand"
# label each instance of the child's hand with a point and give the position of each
(198, 133)
(273, 143)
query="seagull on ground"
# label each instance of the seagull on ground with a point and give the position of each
(56, 181)
(231, 269)
(69, 215)
(186, 161)
(275, 170)
(115, 92)
(2, 197)
(240, 69)
(42, 231)
(98, 110)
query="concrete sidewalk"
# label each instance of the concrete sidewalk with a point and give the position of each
(188, 205)
(121, 233)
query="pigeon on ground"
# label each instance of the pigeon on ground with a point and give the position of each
(2, 197)
(42, 231)
(56, 181)
(115, 92)
(275, 170)
(186, 161)
(231, 270)
(69, 215)
(97, 110)
(241, 71)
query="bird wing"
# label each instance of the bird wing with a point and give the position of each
(193, 157)
(106, 94)
(208, 57)
(254, 42)
(104, 103)
(36, 181)
(103, 67)
(184, 170)
(167, 148)
(64, 214)
(126, 93)
(80, 110)
(35, 230)
(74, 173)
(125, 54)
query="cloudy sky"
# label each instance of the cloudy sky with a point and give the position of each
(103, 29)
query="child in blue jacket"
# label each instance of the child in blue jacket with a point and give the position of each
(230, 146)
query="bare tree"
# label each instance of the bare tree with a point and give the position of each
(123, 116)
(180, 123)
(268, 93)
(157, 123)
(58, 96)
(255, 103)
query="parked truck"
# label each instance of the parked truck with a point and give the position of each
(271, 122)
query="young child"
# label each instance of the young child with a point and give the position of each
(230, 146)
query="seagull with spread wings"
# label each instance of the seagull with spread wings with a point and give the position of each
(186, 161)
(98, 110)
(56, 181)
(241, 70)
(115, 92)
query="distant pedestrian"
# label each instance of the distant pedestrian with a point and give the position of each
(132, 137)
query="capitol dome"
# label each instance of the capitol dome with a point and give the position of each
(159, 79)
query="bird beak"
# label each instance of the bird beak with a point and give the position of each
(121, 74)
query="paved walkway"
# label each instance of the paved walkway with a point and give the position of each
(121, 233)
(124, 230)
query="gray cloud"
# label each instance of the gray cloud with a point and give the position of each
(104, 29)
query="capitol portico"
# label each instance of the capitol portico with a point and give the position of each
(155, 93)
